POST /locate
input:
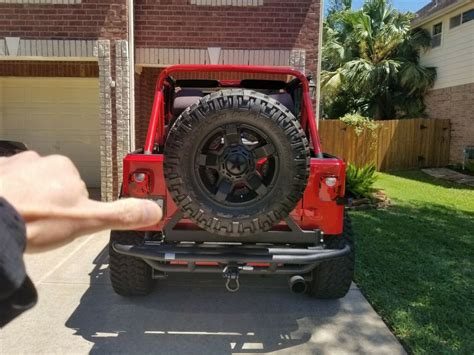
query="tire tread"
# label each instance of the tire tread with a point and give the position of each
(129, 276)
(267, 108)
(332, 279)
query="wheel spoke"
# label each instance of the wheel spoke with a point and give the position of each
(208, 161)
(232, 135)
(263, 151)
(254, 181)
(223, 190)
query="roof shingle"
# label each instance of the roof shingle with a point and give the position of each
(433, 7)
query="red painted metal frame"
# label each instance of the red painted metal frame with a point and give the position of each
(156, 128)
(318, 209)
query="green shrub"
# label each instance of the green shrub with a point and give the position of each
(359, 181)
(470, 166)
(360, 123)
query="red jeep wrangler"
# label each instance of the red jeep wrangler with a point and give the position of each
(237, 167)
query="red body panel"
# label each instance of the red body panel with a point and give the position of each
(143, 175)
(316, 210)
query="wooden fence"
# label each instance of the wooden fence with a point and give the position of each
(395, 145)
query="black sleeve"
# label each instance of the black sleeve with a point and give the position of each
(17, 292)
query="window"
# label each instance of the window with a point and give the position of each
(468, 16)
(460, 19)
(455, 21)
(436, 37)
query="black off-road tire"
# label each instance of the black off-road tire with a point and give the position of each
(130, 276)
(332, 279)
(239, 108)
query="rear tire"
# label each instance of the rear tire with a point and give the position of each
(129, 276)
(332, 279)
(236, 163)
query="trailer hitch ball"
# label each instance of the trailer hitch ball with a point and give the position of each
(231, 274)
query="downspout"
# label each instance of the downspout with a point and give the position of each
(318, 76)
(131, 73)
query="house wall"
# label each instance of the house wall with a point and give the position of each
(82, 19)
(263, 32)
(454, 59)
(453, 94)
(49, 69)
(457, 104)
(270, 24)
(56, 31)
(57, 37)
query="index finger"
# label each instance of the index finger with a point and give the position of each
(130, 213)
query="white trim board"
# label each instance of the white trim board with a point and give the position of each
(47, 48)
(241, 3)
(160, 57)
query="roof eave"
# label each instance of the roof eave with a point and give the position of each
(422, 20)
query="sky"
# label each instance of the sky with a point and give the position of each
(401, 5)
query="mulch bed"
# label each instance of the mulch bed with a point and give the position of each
(378, 200)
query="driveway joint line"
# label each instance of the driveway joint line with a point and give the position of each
(62, 262)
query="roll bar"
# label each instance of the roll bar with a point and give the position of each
(156, 127)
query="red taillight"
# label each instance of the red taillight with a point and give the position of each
(329, 188)
(139, 184)
(330, 181)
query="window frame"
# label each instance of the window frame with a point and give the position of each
(459, 17)
(465, 12)
(437, 38)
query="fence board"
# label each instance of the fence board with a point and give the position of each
(395, 145)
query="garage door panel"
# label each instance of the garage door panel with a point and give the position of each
(50, 120)
(55, 116)
(13, 119)
(79, 96)
(14, 95)
(46, 97)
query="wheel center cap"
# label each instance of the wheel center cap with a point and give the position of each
(236, 164)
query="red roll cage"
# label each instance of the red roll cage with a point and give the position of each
(156, 128)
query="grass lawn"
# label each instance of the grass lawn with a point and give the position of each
(415, 262)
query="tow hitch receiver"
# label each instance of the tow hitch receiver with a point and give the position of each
(231, 274)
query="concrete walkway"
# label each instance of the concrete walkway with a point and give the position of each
(450, 175)
(189, 314)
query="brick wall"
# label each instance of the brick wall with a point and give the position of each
(277, 24)
(49, 69)
(457, 104)
(270, 24)
(89, 19)
(144, 93)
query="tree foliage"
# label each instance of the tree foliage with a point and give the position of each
(338, 5)
(371, 62)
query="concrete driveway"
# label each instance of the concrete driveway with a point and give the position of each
(188, 314)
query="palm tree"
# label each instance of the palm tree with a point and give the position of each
(371, 63)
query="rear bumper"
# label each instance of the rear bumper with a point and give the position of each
(184, 258)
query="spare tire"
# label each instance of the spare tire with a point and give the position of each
(237, 162)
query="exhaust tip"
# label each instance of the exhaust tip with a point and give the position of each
(297, 284)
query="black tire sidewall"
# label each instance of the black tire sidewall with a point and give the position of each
(266, 115)
(285, 161)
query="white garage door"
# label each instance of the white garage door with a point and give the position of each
(54, 116)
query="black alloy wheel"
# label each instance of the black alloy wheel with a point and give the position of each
(237, 162)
